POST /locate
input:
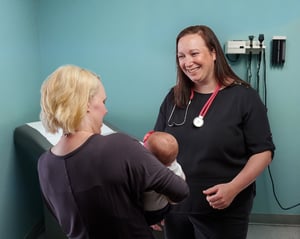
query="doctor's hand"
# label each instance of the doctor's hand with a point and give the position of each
(220, 196)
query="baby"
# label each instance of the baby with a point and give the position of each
(165, 147)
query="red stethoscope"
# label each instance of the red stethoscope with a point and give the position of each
(198, 120)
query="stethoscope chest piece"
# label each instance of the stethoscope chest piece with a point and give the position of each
(198, 121)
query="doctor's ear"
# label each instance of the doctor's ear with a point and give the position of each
(214, 54)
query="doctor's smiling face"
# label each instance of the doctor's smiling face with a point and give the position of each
(195, 59)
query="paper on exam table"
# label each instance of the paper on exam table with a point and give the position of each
(53, 138)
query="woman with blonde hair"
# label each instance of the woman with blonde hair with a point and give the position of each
(94, 184)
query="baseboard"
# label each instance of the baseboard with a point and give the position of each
(278, 219)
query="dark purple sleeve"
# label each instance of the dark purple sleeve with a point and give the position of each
(147, 173)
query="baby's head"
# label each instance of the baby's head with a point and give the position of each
(163, 145)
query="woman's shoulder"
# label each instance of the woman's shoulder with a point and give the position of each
(243, 95)
(116, 145)
(116, 137)
(241, 89)
(169, 97)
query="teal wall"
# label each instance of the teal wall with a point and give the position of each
(19, 96)
(131, 45)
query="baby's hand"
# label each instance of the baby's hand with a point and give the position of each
(158, 226)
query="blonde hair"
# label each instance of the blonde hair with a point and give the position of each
(64, 97)
(163, 145)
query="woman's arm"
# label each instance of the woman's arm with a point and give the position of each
(220, 196)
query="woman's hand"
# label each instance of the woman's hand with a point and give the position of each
(220, 196)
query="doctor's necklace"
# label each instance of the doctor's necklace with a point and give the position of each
(199, 120)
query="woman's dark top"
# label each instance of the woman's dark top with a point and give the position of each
(96, 191)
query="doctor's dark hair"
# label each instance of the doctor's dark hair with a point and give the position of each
(223, 72)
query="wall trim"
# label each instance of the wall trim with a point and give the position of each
(275, 219)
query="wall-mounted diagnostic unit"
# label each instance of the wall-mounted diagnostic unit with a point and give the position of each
(254, 49)
(278, 50)
(245, 46)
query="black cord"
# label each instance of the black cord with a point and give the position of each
(258, 71)
(265, 77)
(276, 198)
(261, 38)
(237, 56)
(249, 73)
(269, 169)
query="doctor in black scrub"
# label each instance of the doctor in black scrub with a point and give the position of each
(224, 138)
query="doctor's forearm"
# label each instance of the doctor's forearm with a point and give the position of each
(254, 167)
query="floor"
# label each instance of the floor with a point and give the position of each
(261, 231)
(258, 231)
